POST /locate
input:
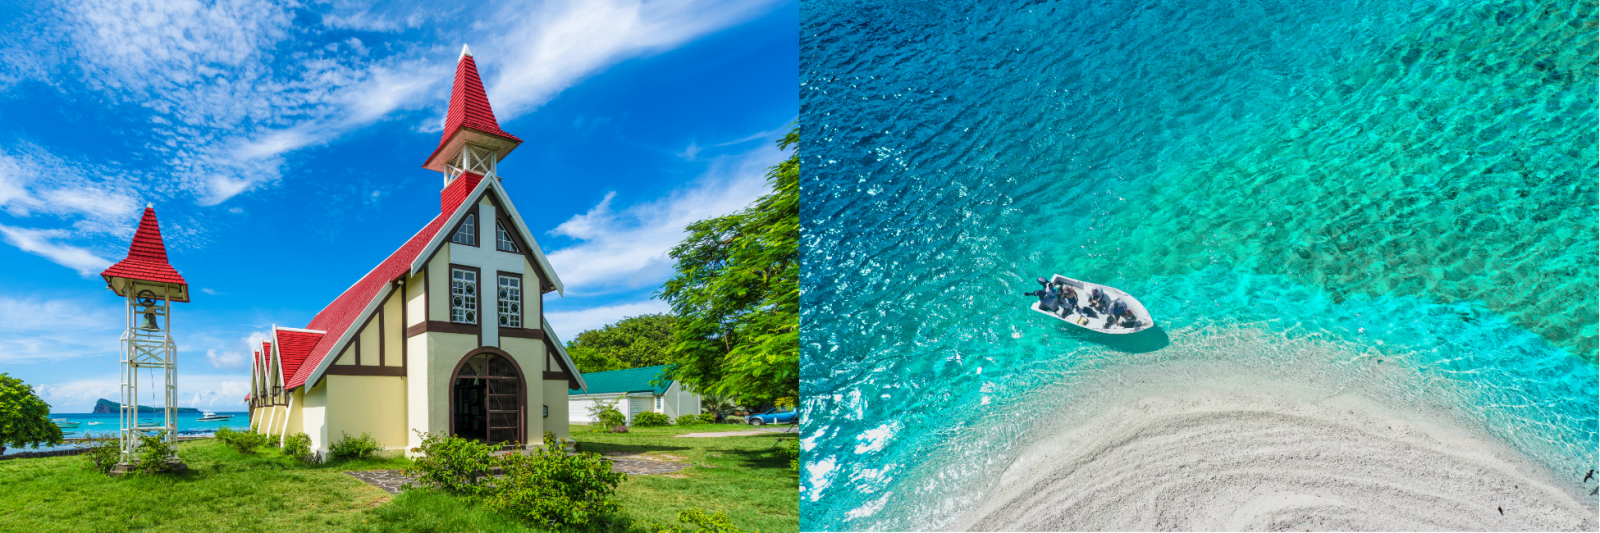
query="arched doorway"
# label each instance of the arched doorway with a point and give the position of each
(487, 397)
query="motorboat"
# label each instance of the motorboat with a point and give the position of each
(208, 416)
(1079, 313)
(63, 423)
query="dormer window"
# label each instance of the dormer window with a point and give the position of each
(468, 234)
(502, 240)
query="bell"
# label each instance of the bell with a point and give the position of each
(150, 322)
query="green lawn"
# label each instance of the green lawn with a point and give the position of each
(227, 491)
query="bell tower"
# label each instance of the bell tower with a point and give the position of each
(150, 286)
(473, 143)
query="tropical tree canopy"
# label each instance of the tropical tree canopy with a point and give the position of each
(24, 418)
(633, 342)
(736, 291)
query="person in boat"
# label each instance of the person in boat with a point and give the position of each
(1047, 299)
(1069, 299)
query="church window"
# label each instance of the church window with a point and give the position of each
(468, 234)
(463, 296)
(502, 240)
(510, 302)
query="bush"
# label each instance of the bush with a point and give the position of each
(154, 452)
(790, 448)
(550, 487)
(733, 419)
(242, 441)
(709, 418)
(103, 451)
(298, 447)
(618, 429)
(704, 523)
(651, 418)
(607, 416)
(354, 447)
(688, 420)
(451, 463)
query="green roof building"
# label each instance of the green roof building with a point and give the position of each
(633, 391)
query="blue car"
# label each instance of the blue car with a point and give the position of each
(774, 416)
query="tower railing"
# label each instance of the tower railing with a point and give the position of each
(147, 345)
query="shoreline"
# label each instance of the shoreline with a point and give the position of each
(1263, 453)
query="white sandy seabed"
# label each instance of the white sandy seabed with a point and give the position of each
(1264, 455)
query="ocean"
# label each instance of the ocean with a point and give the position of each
(1394, 199)
(94, 424)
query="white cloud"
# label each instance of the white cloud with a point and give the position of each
(568, 324)
(565, 41)
(40, 242)
(627, 249)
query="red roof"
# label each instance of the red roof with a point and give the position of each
(338, 316)
(147, 257)
(469, 106)
(294, 347)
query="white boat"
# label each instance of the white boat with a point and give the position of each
(208, 416)
(1098, 323)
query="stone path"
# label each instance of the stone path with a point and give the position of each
(391, 481)
(757, 431)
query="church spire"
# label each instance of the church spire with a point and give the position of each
(473, 142)
(146, 264)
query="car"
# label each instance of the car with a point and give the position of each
(774, 416)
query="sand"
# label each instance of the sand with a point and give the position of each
(1273, 456)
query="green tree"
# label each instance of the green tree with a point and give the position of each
(24, 418)
(633, 342)
(736, 292)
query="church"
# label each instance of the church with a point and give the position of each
(447, 335)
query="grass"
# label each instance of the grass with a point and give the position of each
(225, 490)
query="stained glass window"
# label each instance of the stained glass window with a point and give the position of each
(463, 296)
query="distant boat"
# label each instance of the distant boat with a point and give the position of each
(208, 416)
(96, 423)
(64, 423)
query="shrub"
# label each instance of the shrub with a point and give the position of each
(451, 463)
(607, 416)
(354, 447)
(704, 523)
(242, 441)
(733, 419)
(688, 420)
(154, 451)
(298, 447)
(550, 487)
(618, 429)
(651, 418)
(104, 451)
(789, 448)
(709, 418)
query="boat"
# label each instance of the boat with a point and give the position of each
(1098, 322)
(208, 416)
(96, 423)
(63, 423)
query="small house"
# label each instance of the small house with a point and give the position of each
(632, 391)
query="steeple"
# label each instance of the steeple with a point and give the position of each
(146, 264)
(473, 142)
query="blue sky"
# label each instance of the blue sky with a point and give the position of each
(282, 144)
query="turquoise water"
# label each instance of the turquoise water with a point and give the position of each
(188, 424)
(1392, 198)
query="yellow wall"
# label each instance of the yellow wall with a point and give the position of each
(393, 331)
(439, 284)
(296, 422)
(445, 350)
(314, 415)
(415, 290)
(369, 343)
(529, 354)
(555, 396)
(373, 404)
(346, 357)
(532, 304)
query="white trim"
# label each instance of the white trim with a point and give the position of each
(440, 237)
(281, 379)
(465, 53)
(300, 330)
(562, 351)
